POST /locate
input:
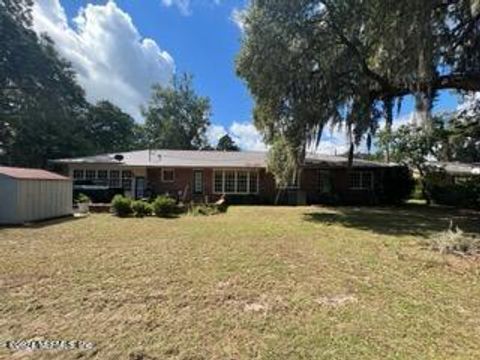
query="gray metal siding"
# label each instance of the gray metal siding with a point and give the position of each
(36, 200)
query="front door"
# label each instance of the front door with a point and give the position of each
(198, 182)
(139, 187)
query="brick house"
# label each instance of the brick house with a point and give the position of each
(241, 176)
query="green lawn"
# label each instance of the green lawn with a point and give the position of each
(255, 283)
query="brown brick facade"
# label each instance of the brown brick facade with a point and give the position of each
(182, 186)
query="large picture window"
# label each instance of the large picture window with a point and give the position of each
(361, 180)
(235, 182)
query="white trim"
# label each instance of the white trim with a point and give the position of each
(163, 175)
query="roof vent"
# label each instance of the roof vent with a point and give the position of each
(118, 157)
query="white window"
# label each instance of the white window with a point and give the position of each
(361, 180)
(114, 179)
(127, 180)
(198, 182)
(235, 182)
(230, 182)
(168, 175)
(218, 182)
(102, 174)
(78, 174)
(242, 182)
(90, 174)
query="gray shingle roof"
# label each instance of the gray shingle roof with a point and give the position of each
(185, 158)
(457, 168)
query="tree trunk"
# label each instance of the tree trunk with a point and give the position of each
(277, 197)
(425, 192)
(350, 154)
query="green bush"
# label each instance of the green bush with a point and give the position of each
(463, 195)
(83, 199)
(141, 208)
(164, 206)
(122, 206)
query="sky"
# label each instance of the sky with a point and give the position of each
(121, 48)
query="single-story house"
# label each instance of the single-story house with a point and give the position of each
(455, 172)
(241, 176)
(29, 195)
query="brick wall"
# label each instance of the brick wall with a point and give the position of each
(340, 192)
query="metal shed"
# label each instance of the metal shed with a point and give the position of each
(28, 195)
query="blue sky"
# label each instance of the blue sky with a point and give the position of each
(203, 43)
(119, 48)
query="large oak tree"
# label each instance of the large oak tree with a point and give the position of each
(309, 63)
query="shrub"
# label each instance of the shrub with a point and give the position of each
(83, 199)
(455, 241)
(164, 206)
(122, 206)
(465, 194)
(141, 208)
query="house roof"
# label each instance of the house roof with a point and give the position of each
(29, 174)
(457, 168)
(205, 159)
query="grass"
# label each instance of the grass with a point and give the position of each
(255, 283)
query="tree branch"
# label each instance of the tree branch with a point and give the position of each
(465, 82)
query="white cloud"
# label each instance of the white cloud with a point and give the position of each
(245, 135)
(248, 138)
(334, 141)
(184, 6)
(238, 17)
(111, 58)
(214, 133)
(468, 101)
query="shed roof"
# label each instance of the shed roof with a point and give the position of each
(30, 174)
(205, 159)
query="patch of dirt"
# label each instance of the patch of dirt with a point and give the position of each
(336, 301)
(255, 307)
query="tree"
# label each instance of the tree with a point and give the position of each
(176, 117)
(350, 62)
(110, 129)
(411, 145)
(226, 143)
(282, 163)
(464, 133)
(42, 108)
